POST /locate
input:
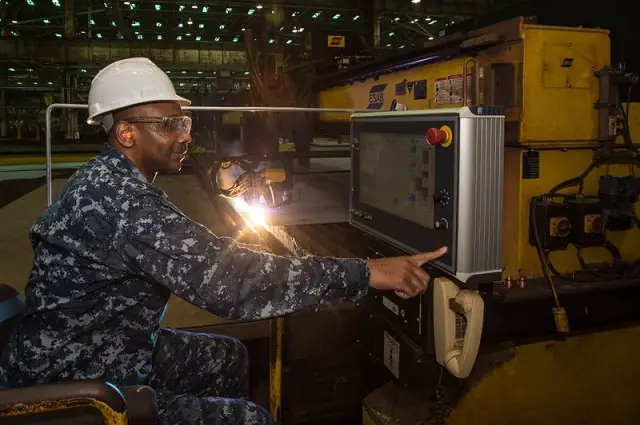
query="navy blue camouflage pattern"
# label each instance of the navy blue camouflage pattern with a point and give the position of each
(108, 254)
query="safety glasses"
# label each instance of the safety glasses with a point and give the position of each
(165, 126)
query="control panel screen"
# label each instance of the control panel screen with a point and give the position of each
(397, 175)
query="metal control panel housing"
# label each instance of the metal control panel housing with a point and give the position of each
(430, 178)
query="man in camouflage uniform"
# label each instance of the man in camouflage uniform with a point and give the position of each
(111, 250)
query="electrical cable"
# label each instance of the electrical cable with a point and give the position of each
(541, 255)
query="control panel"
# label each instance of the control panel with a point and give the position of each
(431, 178)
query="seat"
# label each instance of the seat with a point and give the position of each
(73, 402)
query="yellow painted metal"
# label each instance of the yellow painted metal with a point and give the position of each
(546, 382)
(110, 416)
(544, 77)
(231, 118)
(539, 383)
(275, 175)
(275, 372)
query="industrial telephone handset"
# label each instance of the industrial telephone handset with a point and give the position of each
(456, 352)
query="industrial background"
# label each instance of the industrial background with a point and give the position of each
(335, 366)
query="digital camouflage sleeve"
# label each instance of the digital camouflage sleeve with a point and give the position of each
(109, 252)
(220, 276)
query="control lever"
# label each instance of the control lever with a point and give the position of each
(457, 354)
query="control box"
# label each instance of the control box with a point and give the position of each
(430, 178)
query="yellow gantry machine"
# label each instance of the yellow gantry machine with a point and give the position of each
(546, 79)
(570, 206)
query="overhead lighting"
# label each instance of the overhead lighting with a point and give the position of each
(181, 7)
(228, 10)
(198, 38)
(216, 39)
(300, 29)
(83, 70)
(30, 2)
(221, 27)
(315, 15)
(199, 72)
(158, 24)
(113, 23)
(415, 1)
(396, 19)
(184, 72)
(246, 73)
(388, 45)
(58, 35)
(132, 6)
(180, 25)
(336, 16)
(50, 83)
(294, 14)
(271, 41)
(402, 47)
(56, 3)
(194, 6)
(12, 70)
(92, 22)
(159, 37)
(259, 6)
(391, 34)
(430, 38)
(46, 21)
(355, 18)
(14, 22)
(190, 22)
(205, 9)
(251, 11)
(201, 26)
(140, 36)
(243, 29)
(158, 6)
(235, 39)
(288, 41)
(188, 34)
(179, 38)
(99, 35)
(135, 24)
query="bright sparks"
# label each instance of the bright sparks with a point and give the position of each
(255, 213)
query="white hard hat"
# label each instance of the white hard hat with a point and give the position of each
(129, 82)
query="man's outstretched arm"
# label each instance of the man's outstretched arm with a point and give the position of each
(216, 274)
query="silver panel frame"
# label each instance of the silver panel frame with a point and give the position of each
(478, 206)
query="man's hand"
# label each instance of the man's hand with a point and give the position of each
(404, 275)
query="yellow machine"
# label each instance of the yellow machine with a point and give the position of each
(545, 78)
(569, 179)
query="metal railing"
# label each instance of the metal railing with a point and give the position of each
(53, 106)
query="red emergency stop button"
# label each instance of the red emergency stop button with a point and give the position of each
(440, 136)
(436, 137)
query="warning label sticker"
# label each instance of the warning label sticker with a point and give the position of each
(448, 90)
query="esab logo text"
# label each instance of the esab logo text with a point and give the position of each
(376, 96)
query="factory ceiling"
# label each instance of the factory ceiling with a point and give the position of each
(199, 40)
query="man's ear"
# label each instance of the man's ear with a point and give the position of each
(124, 134)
